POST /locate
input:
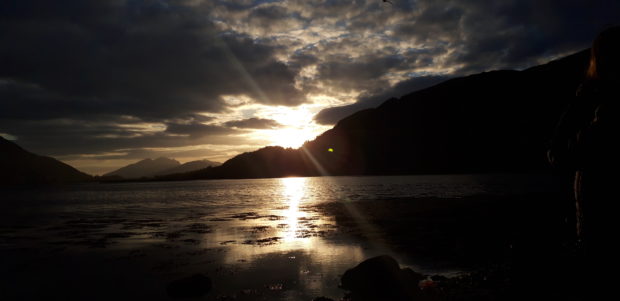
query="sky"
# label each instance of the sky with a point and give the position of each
(101, 84)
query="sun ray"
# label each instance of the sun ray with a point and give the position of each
(371, 232)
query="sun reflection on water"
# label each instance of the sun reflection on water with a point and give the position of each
(293, 193)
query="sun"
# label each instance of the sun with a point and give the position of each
(296, 125)
(291, 137)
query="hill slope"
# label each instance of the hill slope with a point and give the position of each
(18, 166)
(493, 121)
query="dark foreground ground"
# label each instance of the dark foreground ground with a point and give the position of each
(512, 247)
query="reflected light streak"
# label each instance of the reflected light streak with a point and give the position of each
(294, 190)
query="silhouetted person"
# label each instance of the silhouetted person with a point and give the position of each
(587, 143)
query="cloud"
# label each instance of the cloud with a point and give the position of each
(197, 130)
(142, 59)
(486, 35)
(456, 38)
(351, 74)
(269, 18)
(61, 137)
(254, 123)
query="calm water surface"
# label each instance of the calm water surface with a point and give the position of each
(260, 239)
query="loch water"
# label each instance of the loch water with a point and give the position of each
(257, 239)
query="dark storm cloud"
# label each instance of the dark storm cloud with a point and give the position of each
(370, 72)
(333, 115)
(76, 75)
(192, 118)
(476, 36)
(66, 136)
(349, 74)
(434, 24)
(151, 59)
(486, 35)
(270, 18)
(254, 123)
(196, 129)
(301, 59)
(269, 13)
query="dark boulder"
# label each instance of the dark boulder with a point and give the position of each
(194, 286)
(381, 278)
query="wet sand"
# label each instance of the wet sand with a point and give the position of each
(108, 258)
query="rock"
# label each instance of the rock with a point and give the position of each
(381, 278)
(194, 286)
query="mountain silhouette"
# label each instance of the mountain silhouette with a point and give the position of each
(498, 121)
(189, 166)
(489, 122)
(267, 162)
(144, 168)
(18, 166)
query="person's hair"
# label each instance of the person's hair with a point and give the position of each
(605, 54)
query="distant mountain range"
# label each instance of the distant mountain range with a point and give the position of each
(18, 166)
(161, 166)
(498, 121)
(189, 166)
